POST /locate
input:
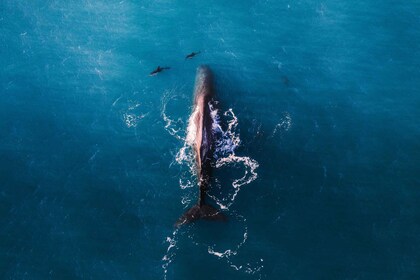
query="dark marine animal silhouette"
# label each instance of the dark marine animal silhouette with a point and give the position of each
(201, 122)
(191, 55)
(158, 69)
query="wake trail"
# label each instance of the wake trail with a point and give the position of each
(225, 146)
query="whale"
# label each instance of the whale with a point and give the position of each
(203, 140)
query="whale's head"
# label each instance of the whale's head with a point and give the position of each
(203, 82)
(203, 71)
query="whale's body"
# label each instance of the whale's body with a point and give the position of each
(201, 123)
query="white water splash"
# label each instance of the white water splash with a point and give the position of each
(227, 141)
(250, 175)
(133, 115)
(228, 254)
(170, 253)
(185, 184)
(132, 120)
(284, 125)
(173, 127)
(185, 201)
(226, 144)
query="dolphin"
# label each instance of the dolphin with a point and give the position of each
(191, 55)
(158, 69)
(201, 123)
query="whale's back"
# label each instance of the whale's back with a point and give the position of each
(203, 95)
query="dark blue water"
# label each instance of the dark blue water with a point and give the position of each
(319, 106)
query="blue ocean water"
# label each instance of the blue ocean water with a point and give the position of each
(319, 103)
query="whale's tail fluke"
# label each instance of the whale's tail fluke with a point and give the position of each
(203, 211)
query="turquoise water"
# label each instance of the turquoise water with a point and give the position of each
(319, 106)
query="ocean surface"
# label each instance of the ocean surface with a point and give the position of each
(318, 157)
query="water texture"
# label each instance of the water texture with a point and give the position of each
(318, 149)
